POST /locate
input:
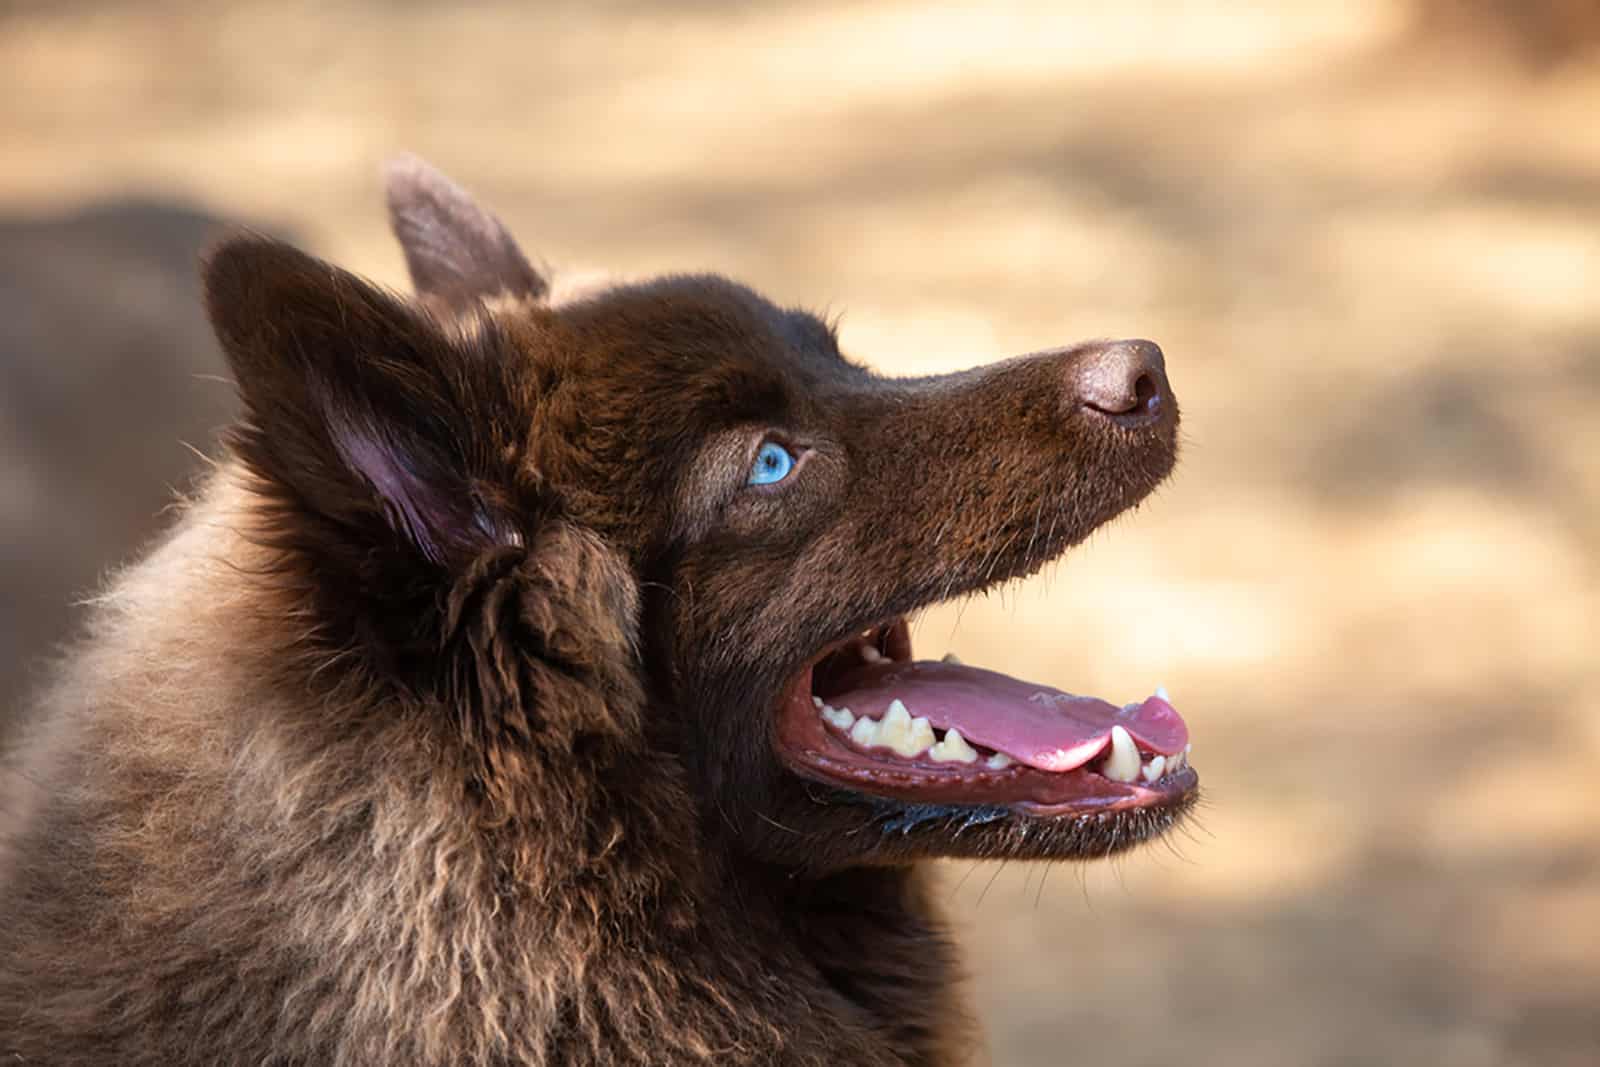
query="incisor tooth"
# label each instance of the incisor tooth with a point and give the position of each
(1155, 768)
(1123, 763)
(998, 762)
(953, 749)
(950, 658)
(816, 702)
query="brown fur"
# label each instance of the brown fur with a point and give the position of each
(439, 732)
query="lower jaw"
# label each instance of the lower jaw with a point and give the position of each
(812, 752)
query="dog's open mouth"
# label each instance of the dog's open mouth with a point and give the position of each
(864, 715)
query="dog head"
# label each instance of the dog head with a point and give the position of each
(668, 529)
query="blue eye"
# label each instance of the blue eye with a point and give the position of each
(773, 464)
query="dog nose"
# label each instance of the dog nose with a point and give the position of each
(1124, 380)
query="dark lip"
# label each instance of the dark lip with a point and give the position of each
(810, 750)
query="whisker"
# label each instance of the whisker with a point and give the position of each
(990, 883)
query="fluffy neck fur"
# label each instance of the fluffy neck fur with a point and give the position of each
(226, 854)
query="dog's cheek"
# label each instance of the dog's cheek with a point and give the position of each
(785, 519)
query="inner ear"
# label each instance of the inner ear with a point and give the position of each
(459, 254)
(376, 427)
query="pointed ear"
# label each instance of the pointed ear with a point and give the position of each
(458, 253)
(374, 429)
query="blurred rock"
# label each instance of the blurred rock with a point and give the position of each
(107, 371)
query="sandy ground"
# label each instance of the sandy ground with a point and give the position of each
(1372, 253)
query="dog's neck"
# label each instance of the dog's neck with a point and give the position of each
(875, 936)
(854, 966)
(594, 923)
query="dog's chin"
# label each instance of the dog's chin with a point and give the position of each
(951, 760)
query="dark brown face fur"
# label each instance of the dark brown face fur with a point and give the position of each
(906, 492)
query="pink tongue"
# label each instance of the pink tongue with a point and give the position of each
(1033, 724)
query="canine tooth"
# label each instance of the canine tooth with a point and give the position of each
(1123, 763)
(865, 732)
(998, 762)
(872, 655)
(1161, 691)
(1155, 768)
(953, 749)
(839, 717)
(950, 658)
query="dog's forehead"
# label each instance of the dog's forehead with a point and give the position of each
(686, 325)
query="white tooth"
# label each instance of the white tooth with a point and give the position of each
(953, 749)
(950, 658)
(872, 655)
(1123, 763)
(895, 729)
(816, 702)
(839, 717)
(1155, 768)
(865, 732)
(920, 738)
(998, 762)
(1161, 691)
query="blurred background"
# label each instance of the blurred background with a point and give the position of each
(1367, 233)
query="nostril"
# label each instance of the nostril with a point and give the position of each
(1146, 396)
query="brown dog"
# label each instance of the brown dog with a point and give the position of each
(531, 684)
